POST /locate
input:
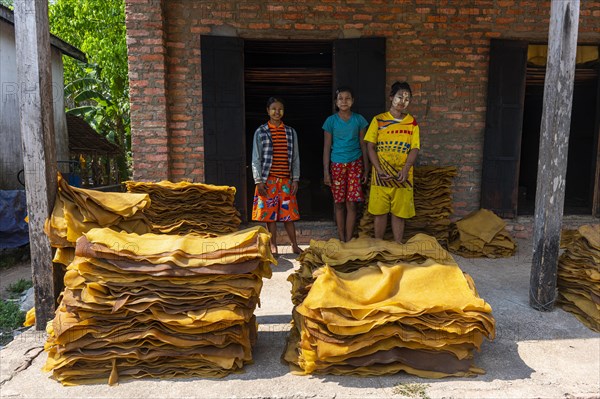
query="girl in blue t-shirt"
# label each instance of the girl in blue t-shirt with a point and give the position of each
(345, 160)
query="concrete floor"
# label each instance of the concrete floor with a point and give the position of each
(534, 355)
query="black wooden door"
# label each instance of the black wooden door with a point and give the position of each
(224, 114)
(360, 64)
(503, 127)
(595, 184)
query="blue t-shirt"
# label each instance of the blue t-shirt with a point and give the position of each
(345, 140)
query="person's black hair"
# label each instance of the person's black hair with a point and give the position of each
(397, 86)
(272, 100)
(343, 89)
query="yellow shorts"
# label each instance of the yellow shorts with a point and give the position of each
(398, 201)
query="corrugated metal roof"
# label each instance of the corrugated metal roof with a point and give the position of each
(85, 140)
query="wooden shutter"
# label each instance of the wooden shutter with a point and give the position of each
(503, 127)
(224, 114)
(360, 64)
(595, 187)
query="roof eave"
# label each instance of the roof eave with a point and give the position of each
(7, 15)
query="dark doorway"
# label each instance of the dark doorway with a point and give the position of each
(238, 76)
(301, 73)
(580, 179)
(513, 120)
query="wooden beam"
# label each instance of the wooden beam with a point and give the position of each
(37, 136)
(554, 145)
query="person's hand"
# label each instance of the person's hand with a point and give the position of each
(327, 179)
(365, 176)
(384, 176)
(262, 189)
(403, 175)
(294, 187)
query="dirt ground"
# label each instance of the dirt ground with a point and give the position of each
(12, 274)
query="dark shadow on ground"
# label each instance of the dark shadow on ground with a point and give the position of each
(267, 358)
(265, 320)
(284, 263)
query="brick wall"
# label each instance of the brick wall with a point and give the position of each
(148, 91)
(441, 48)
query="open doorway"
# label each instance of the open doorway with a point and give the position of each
(583, 137)
(239, 75)
(301, 73)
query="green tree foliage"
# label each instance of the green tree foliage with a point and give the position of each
(7, 3)
(98, 91)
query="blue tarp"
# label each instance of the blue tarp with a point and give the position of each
(14, 231)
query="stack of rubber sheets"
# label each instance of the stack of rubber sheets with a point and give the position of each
(482, 234)
(579, 276)
(158, 306)
(422, 316)
(360, 252)
(181, 208)
(77, 211)
(433, 205)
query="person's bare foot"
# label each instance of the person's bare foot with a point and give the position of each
(274, 250)
(296, 249)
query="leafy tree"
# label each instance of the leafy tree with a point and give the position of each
(7, 3)
(98, 91)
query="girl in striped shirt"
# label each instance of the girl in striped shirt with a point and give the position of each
(276, 172)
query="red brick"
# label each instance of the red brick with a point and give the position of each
(304, 26)
(152, 57)
(259, 26)
(362, 17)
(155, 157)
(420, 78)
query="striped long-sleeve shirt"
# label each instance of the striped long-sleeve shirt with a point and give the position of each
(263, 157)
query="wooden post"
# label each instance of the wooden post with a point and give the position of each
(37, 136)
(554, 144)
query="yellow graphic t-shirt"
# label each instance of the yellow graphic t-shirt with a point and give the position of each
(394, 139)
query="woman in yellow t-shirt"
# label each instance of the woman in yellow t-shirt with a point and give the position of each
(393, 145)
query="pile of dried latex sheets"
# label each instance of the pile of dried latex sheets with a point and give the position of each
(579, 275)
(78, 210)
(165, 207)
(138, 304)
(433, 205)
(374, 307)
(158, 306)
(183, 207)
(482, 234)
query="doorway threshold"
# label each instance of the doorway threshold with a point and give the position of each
(306, 230)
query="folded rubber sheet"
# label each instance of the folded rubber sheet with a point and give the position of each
(433, 205)
(579, 275)
(184, 207)
(159, 306)
(78, 210)
(482, 234)
(418, 312)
